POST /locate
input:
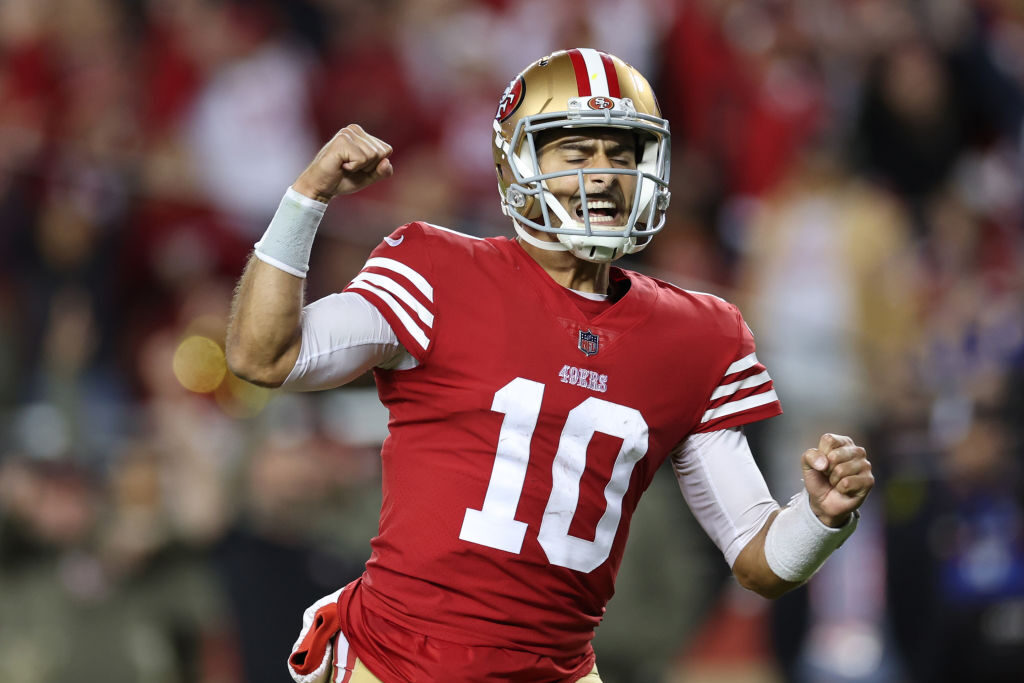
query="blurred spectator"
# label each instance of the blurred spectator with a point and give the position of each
(833, 311)
(913, 125)
(271, 559)
(956, 556)
(101, 602)
(829, 296)
(742, 91)
(250, 130)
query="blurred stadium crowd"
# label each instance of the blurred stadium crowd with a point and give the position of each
(847, 171)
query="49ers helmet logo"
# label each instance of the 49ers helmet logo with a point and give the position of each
(600, 103)
(510, 99)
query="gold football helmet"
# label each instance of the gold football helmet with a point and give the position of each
(575, 89)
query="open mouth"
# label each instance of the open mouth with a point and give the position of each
(602, 212)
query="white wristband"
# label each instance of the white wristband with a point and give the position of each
(798, 543)
(288, 241)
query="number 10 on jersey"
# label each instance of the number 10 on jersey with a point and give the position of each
(494, 524)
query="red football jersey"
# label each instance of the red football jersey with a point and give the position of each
(520, 445)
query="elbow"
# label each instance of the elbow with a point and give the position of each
(752, 570)
(765, 587)
(253, 370)
(757, 576)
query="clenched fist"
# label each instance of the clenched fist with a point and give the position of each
(837, 476)
(352, 160)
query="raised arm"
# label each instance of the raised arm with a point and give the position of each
(264, 333)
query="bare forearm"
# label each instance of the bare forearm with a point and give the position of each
(264, 334)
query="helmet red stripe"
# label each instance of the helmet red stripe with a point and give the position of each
(611, 75)
(582, 77)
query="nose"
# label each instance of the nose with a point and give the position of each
(600, 181)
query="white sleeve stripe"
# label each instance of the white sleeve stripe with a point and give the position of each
(739, 406)
(407, 322)
(405, 271)
(398, 290)
(741, 364)
(752, 381)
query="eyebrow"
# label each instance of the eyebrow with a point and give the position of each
(583, 144)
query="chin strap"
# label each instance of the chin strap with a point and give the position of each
(557, 207)
(593, 250)
(533, 241)
(588, 248)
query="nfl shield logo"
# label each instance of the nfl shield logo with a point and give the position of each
(588, 342)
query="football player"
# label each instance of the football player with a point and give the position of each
(533, 390)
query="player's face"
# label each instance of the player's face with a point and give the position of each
(609, 195)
